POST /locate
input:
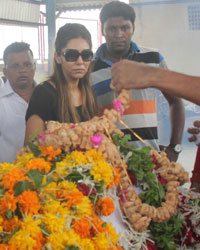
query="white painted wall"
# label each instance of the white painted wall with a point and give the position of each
(165, 27)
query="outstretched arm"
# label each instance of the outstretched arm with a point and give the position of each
(129, 75)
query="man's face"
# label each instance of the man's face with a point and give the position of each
(118, 33)
(20, 69)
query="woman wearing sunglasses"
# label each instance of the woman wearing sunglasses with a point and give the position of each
(67, 95)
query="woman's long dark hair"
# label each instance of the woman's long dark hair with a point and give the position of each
(67, 112)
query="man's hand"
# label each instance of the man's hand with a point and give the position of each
(131, 75)
(195, 132)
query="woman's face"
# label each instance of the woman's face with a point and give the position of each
(74, 69)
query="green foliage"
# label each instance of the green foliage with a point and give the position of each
(36, 177)
(71, 247)
(141, 165)
(163, 233)
(21, 186)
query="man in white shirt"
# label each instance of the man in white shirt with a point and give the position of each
(19, 70)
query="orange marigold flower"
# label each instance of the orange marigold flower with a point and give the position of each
(97, 226)
(105, 206)
(116, 178)
(29, 202)
(9, 224)
(7, 247)
(49, 151)
(10, 179)
(82, 227)
(8, 202)
(40, 164)
(74, 198)
(40, 241)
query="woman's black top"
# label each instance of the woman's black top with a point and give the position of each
(44, 103)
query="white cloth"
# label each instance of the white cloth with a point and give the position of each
(12, 123)
(1, 82)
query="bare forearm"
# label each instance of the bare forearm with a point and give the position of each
(177, 84)
(132, 75)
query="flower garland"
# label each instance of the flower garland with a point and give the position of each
(52, 196)
(51, 200)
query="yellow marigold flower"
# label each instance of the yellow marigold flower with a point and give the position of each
(8, 202)
(82, 227)
(84, 208)
(101, 241)
(40, 164)
(31, 226)
(49, 151)
(55, 207)
(54, 223)
(102, 171)
(50, 188)
(113, 236)
(71, 238)
(105, 206)
(22, 240)
(87, 244)
(61, 169)
(29, 202)
(76, 158)
(67, 185)
(21, 160)
(56, 241)
(11, 178)
(5, 168)
(94, 156)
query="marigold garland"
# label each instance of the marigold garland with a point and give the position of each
(54, 193)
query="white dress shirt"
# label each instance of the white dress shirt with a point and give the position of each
(12, 123)
(1, 82)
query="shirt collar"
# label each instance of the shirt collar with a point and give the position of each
(8, 90)
(99, 53)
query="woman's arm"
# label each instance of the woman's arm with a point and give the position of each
(34, 125)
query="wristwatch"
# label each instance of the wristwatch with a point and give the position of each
(176, 147)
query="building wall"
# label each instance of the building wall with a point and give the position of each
(165, 25)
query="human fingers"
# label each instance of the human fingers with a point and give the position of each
(197, 123)
(193, 130)
(192, 138)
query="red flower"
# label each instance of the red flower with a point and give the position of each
(132, 177)
(151, 245)
(85, 189)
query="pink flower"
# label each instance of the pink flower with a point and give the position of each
(96, 139)
(43, 137)
(117, 105)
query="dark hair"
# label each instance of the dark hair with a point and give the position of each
(116, 9)
(67, 112)
(71, 31)
(15, 48)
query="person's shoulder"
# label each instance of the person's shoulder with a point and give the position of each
(153, 51)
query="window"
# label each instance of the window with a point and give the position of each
(194, 17)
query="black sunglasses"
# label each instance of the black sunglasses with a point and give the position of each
(72, 55)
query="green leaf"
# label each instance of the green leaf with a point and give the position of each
(9, 214)
(34, 149)
(6, 238)
(36, 177)
(71, 247)
(21, 186)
